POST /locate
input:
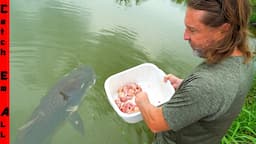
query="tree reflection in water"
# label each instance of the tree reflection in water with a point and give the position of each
(138, 2)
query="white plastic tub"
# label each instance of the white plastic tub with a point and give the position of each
(149, 77)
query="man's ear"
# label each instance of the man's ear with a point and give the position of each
(225, 27)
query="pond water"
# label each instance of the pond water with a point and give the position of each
(51, 37)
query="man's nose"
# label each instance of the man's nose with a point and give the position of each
(186, 35)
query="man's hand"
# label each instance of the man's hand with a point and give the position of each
(175, 81)
(141, 98)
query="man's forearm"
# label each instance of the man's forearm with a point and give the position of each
(153, 116)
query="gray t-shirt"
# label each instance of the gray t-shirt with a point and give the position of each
(206, 103)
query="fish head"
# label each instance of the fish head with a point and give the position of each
(76, 83)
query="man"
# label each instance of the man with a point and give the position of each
(210, 98)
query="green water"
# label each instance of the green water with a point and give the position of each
(51, 37)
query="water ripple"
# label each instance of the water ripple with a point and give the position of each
(22, 55)
(69, 7)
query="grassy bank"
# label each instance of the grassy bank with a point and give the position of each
(253, 16)
(243, 129)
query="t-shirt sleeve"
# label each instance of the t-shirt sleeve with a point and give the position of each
(193, 101)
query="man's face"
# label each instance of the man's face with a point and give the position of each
(199, 36)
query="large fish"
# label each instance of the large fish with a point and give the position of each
(60, 104)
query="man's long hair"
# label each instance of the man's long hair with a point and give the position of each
(234, 12)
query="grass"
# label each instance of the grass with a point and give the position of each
(243, 129)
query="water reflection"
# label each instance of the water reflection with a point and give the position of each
(179, 1)
(138, 2)
(130, 2)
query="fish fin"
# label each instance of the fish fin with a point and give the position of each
(77, 122)
(72, 109)
(65, 97)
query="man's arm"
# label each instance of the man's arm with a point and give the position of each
(153, 116)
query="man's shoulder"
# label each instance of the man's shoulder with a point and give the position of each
(212, 81)
(227, 71)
